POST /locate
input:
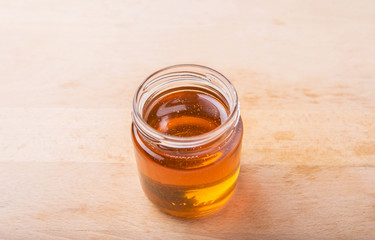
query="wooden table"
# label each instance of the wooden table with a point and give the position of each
(305, 74)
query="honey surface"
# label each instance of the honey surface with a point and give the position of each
(186, 113)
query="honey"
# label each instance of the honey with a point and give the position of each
(196, 171)
(186, 113)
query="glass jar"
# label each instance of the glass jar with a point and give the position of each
(188, 151)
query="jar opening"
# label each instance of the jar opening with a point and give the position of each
(185, 76)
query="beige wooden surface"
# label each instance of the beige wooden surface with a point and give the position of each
(305, 74)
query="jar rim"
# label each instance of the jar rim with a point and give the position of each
(190, 141)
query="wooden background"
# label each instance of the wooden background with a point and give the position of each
(305, 74)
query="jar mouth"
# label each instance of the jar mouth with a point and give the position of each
(206, 78)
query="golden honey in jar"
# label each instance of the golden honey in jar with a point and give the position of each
(187, 134)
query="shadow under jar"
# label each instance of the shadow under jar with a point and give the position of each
(187, 133)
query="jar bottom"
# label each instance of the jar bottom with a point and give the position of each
(190, 201)
(199, 213)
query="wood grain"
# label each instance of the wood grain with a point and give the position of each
(305, 75)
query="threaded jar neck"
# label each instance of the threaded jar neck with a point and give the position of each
(181, 76)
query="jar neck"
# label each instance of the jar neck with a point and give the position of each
(189, 76)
